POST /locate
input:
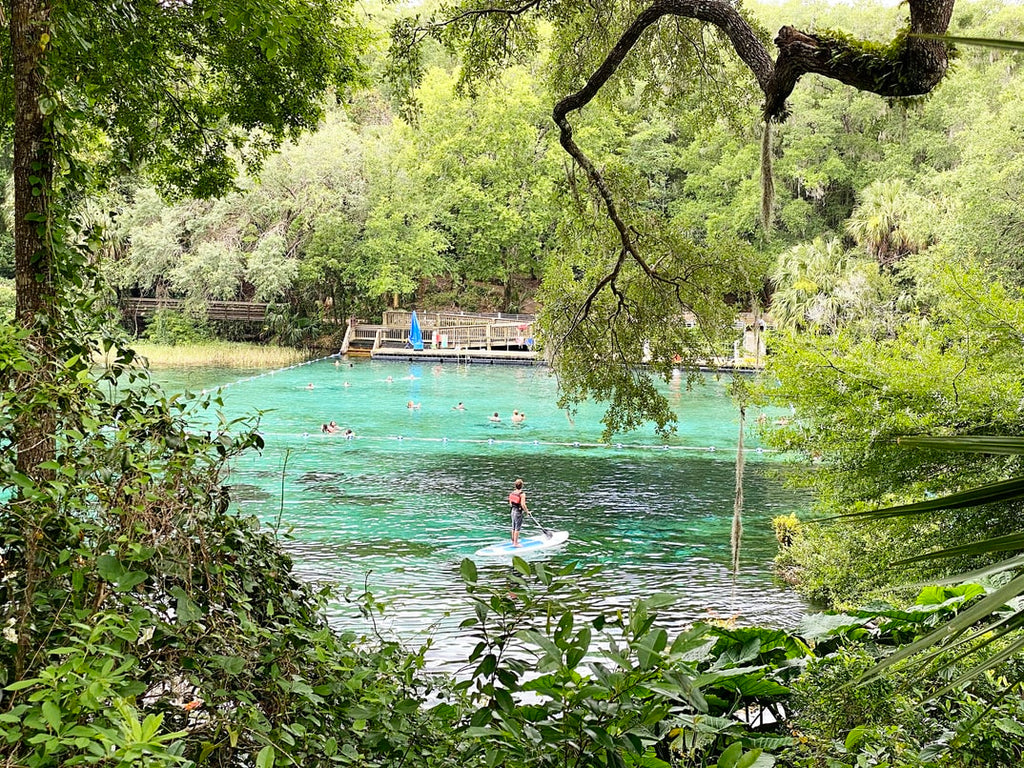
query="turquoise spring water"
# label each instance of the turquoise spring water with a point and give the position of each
(419, 489)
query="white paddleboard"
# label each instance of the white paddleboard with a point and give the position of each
(526, 544)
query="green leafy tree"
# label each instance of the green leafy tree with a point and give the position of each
(400, 244)
(484, 161)
(603, 45)
(860, 392)
(820, 287)
(189, 89)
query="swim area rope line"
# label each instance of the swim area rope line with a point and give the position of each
(270, 373)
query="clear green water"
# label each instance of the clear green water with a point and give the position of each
(418, 490)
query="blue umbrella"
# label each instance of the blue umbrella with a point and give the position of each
(415, 334)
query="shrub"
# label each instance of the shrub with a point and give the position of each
(170, 327)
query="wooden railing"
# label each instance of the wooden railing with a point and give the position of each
(478, 336)
(401, 318)
(445, 330)
(240, 311)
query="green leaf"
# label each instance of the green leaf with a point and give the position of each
(934, 595)
(1008, 542)
(1009, 564)
(730, 757)
(265, 758)
(19, 685)
(468, 571)
(186, 610)
(233, 665)
(751, 759)
(51, 713)
(504, 700)
(854, 737)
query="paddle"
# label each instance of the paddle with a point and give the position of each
(539, 523)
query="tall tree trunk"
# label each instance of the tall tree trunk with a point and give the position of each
(33, 257)
(35, 420)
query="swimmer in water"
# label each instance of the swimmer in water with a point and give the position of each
(495, 417)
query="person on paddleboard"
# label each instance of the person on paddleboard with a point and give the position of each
(517, 507)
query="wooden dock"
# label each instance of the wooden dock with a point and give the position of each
(447, 337)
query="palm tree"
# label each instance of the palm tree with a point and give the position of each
(879, 222)
(805, 279)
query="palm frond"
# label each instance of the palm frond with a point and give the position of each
(1004, 490)
(968, 443)
(1009, 542)
(1007, 653)
(952, 630)
(973, 576)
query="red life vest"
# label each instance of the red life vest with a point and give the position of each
(516, 498)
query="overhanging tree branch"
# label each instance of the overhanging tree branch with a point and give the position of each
(909, 66)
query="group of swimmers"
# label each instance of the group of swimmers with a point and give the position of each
(333, 428)
(518, 417)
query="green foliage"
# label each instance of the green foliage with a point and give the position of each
(6, 256)
(7, 300)
(616, 328)
(840, 720)
(171, 630)
(787, 529)
(837, 565)
(170, 327)
(856, 392)
(484, 171)
(821, 287)
(248, 75)
(290, 330)
(611, 690)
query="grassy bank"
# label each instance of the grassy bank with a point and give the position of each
(219, 354)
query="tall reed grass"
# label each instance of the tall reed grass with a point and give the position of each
(220, 354)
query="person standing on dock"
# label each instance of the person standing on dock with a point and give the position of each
(517, 507)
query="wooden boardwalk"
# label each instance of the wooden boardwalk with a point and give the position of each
(238, 311)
